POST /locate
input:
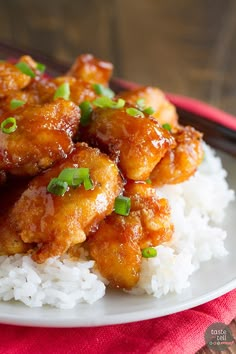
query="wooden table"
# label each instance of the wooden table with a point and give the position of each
(185, 46)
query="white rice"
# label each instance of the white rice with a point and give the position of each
(63, 283)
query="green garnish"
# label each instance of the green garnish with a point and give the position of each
(102, 90)
(57, 187)
(9, 125)
(166, 126)
(149, 252)
(74, 177)
(70, 177)
(141, 103)
(122, 205)
(16, 103)
(41, 67)
(25, 69)
(88, 184)
(149, 110)
(134, 112)
(106, 102)
(63, 91)
(148, 181)
(86, 110)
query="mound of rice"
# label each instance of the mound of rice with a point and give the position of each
(63, 283)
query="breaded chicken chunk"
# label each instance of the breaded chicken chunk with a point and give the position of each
(180, 163)
(57, 222)
(43, 135)
(137, 143)
(115, 248)
(154, 213)
(90, 69)
(117, 243)
(11, 79)
(10, 241)
(148, 96)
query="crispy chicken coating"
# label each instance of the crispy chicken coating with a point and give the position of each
(43, 136)
(154, 213)
(56, 223)
(80, 90)
(117, 243)
(180, 163)
(10, 241)
(136, 143)
(90, 69)
(115, 248)
(164, 111)
(11, 79)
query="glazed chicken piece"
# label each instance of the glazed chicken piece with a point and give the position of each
(117, 243)
(10, 242)
(154, 213)
(80, 90)
(115, 248)
(43, 136)
(136, 143)
(90, 69)
(180, 163)
(11, 79)
(55, 222)
(164, 111)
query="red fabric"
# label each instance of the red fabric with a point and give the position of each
(181, 333)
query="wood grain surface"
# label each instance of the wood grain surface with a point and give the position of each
(186, 46)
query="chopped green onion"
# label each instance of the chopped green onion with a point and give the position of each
(25, 69)
(86, 110)
(104, 91)
(8, 125)
(41, 67)
(141, 103)
(149, 252)
(166, 126)
(57, 187)
(105, 102)
(74, 177)
(63, 91)
(88, 184)
(122, 205)
(134, 112)
(149, 110)
(148, 181)
(16, 103)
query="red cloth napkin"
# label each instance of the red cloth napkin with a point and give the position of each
(180, 333)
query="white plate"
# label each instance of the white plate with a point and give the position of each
(213, 279)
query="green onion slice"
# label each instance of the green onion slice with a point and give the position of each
(9, 125)
(57, 187)
(148, 181)
(149, 110)
(74, 177)
(141, 103)
(41, 67)
(16, 103)
(134, 112)
(149, 252)
(88, 184)
(63, 91)
(106, 102)
(25, 69)
(166, 126)
(86, 110)
(104, 91)
(122, 205)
